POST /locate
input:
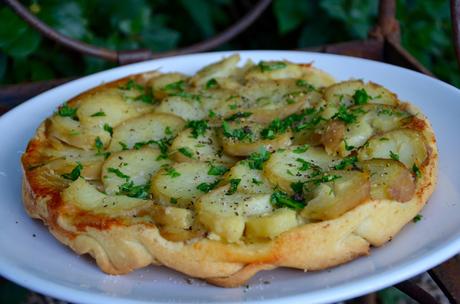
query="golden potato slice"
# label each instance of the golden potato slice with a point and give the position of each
(390, 179)
(83, 195)
(173, 217)
(223, 211)
(186, 108)
(241, 138)
(370, 119)
(136, 166)
(183, 183)
(149, 127)
(271, 225)
(297, 163)
(205, 147)
(266, 70)
(356, 92)
(73, 133)
(159, 84)
(334, 193)
(406, 145)
(252, 180)
(222, 68)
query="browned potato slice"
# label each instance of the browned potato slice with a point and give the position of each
(271, 225)
(406, 145)
(345, 92)
(179, 185)
(371, 119)
(330, 199)
(152, 126)
(186, 108)
(390, 179)
(295, 164)
(241, 138)
(159, 84)
(206, 147)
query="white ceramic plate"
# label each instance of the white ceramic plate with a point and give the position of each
(30, 256)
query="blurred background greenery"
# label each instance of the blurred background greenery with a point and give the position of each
(167, 24)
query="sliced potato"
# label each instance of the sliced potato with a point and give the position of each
(178, 184)
(252, 180)
(173, 217)
(285, 69)
(390, 179)
(241, 138)
(294, 165)
(73, 133)
(268, 100)
(222, 68)
(224, 214)
(137, 166)
(329, 200)
(84, 196)
(406, 145)
(345, 92)
(271, 225)
(186, 108)
(159, 84)
(205, 147)
(371, 119)
(152, 126)
(110, 106)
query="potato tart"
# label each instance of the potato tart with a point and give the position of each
(236, 169)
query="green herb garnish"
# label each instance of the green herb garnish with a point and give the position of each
(239, 134)
(256, 182)
(417, 218)
(123, 145)
(268, 66)
(238, 115)
(394, 156)
(171, 172)
(118, 173)
(416, 171)
(360, 97)
(173, 200)
(217, 170)
(66, 111)
(198, 127)
(281, 199)
(305, 165)
(108, 128)
(211, 84)
(346, 162)
(206, 187)
(186, 152)
(97, 114)
(75, 173)
(131, 190)
(234, 182)
(256, 159)
(300, 149)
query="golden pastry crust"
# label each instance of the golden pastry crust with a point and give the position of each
(120, 245)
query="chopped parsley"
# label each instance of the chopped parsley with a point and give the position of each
(163, 145)
(346, 162)
(212, 83)
(132, 84)
(118, 173)
(123, 145)
(100, 147)
(198, 127)
(345, 115)
(234, 182)
(268, 66)
(97, 114)
(217, 170)
(305, 84)
(168, 130)
(256, 182)
(186, 152)
(256, 159)
(171, 172)
(394, 156)
(75, 173)
(238, 115)
(211, 114)
(108, 128)
(277, 126)
(239, 134)
(206, 187)
(347, 147)
(417, 218)
(174, 87)
(305, 165)
(132, 190)
(300, 149)
(324, 179)
(281, 199)
(173, 200)
(360, 97)
(383, 138)
(416, 171)
(66, 111)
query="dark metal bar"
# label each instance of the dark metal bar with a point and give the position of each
(416, 293)
(447, 277)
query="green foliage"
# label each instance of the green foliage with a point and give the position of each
(162, 25)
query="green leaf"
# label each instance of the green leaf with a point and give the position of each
(40, 71)
(291, 13)
(66, 17)
(234, 182)
(200, 11)
(158, 38)
(75, 173)
(24, 45)
(3, 66)
(12, 27)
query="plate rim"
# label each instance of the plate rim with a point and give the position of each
(345, 290)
